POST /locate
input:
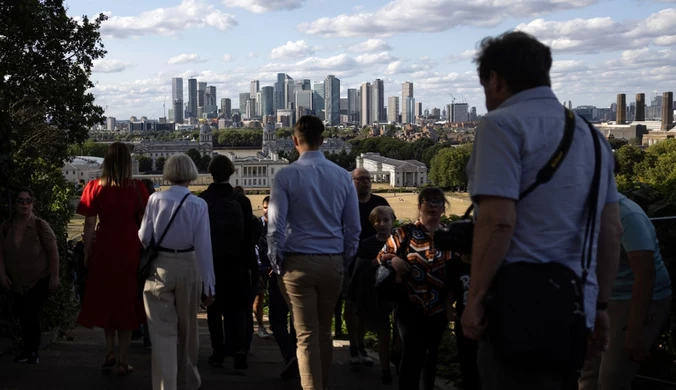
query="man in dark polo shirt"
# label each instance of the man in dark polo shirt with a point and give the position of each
(356, 329)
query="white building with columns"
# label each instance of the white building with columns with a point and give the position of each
(399, 173)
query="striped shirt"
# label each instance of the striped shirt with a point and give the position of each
(426, 281)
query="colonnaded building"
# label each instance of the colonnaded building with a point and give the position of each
(398, 173)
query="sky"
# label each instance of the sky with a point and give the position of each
(600, 47)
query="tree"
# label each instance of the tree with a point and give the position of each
(449, 167)
(45, 107)
(145, 164)
(617, 143)
(195, 155)
(204, 162)
(159, 163)
(628, 156)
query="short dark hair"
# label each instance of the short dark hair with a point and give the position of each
(221, 168)
(309, 130)
(26, 190)
(266, 199)
(239, 190)
(431, 193)
(519, 58)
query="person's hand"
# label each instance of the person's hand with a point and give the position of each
(5, 283)
(635, 346)
(209, 300)
(54, 284)
(473, 320)
(400, 266)
(600, 337)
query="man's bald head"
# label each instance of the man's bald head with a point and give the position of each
(362, 183)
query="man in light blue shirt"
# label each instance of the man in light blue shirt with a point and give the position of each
(639, 304)
(313, 230)
(524, 126)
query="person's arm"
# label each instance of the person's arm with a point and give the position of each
(88, 238)
(48, 241)
(278, 207)
(492, 237)
(388, 256)
(205, 259)
(351, 225)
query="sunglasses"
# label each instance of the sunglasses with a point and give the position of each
(24, 201)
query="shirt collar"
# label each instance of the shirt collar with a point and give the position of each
(312, 154)
(529, 94)
(179, 189)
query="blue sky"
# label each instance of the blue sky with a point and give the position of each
(601, 47)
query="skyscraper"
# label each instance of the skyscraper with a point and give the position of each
(318, 100)
(267, 101)
(243, 97)
(254, 87)
(667, 111)
(378, 101)
(332, 100)
(459, 112)
(192, 97)
(289, 93)
(226, 107)
(177, 98)
(279, 91)
(210, 105)
(621, 117)
(640, 107)
(393, 109)
(352, 105)
(201, 91)
(366, 118)
(408, 103)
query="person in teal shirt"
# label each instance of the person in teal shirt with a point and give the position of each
(639, 304)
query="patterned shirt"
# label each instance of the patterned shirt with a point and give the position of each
(426, 281)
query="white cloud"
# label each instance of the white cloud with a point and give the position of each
(370, 46)
(168, 21)
(292, 50)
(262, 6)
(109, 66)
(185, 59)
(466, 55)
(605, 34)
(227, 58)
(400, 16)
(253, 54)
(375, 59)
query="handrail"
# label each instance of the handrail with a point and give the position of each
(662, 218)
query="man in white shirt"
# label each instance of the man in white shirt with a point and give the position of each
(313, 229)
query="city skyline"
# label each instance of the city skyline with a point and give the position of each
(598, 50)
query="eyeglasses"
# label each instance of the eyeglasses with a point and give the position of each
(364, 179)
(435, 203)
(24, 201)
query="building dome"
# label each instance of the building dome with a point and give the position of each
(205, 129)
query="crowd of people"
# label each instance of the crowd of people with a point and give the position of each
(546, 307)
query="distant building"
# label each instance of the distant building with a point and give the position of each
(85, 168)
(157, 149)
(110, 123)
(399, 173)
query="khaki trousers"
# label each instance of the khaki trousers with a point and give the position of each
(614, 369)
(171, 296)
(311, 286)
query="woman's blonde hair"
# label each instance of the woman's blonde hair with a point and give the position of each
(179, 169)
(378, 212)
(117, 170)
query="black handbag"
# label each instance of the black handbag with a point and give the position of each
(149, 253)
(535, 311)
(386, 285)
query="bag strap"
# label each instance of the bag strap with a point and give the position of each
(547, 172)
(172, 218)
(592, 200)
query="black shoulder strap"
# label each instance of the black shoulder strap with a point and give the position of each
(592, 201)
(172, 218)
(547, 172)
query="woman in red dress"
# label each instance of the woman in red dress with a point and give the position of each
(112, 252)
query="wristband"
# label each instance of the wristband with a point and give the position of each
(601, 306)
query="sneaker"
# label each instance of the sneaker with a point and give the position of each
(365, 359)
(33, 359)
(241, 361)
(21, 358)
(216, 361)
(290, 369)
(262, 333)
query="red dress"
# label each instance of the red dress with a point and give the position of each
(111, 298)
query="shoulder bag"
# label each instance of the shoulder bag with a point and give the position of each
(536, 311)
(149, 253)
